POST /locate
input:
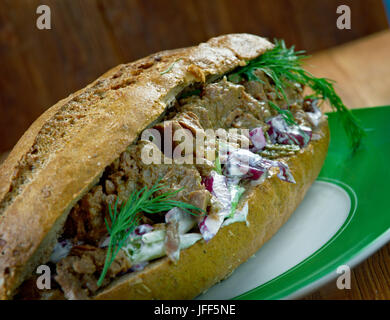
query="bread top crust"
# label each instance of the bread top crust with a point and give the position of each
(64, 152)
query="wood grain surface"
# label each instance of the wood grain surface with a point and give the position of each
(361, 70)
(40, 67)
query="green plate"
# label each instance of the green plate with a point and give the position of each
(362, 177)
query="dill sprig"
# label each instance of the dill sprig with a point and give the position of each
(287, 115)
(284, 66)
(218, 167)
(126, 219)
(171, 66)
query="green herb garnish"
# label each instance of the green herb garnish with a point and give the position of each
(284, 66)
(236, 199)
(287, 115)
(171, 66)
(126, 220)
(218, 167)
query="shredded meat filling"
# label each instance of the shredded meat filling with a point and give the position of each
(220, 105)
(79, 272)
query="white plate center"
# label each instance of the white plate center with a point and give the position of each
(321, 214)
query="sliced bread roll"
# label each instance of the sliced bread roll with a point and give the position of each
(65, 152)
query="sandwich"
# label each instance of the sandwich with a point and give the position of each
(161, 177)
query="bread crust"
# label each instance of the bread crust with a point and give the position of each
(204, 264)
(64, 152)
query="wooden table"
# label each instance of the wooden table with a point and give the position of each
(362, 72)
(360, 68)
(40, 67)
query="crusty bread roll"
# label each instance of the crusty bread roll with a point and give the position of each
(65, 151)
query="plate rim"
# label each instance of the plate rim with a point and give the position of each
(364, 253)
(310, 286)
